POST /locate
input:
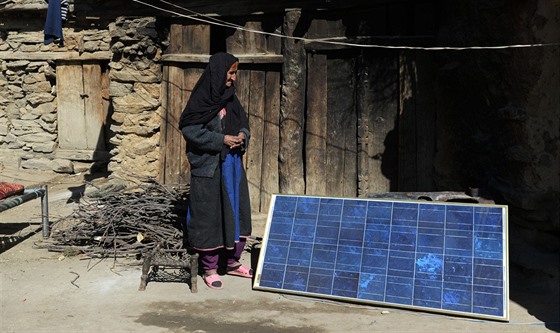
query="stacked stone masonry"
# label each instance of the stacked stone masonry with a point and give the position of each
(28, 96)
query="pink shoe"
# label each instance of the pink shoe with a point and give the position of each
(240, 270)
(213, 281)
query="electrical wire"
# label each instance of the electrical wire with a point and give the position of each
(214, 21)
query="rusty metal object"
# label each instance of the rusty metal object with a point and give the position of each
(445, 196)
(160, 258)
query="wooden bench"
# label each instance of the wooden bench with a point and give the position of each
(28, 195)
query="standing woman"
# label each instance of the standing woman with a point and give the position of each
(216, 129)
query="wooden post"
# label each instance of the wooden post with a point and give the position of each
(292, 109)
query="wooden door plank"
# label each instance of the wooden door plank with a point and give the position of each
(383, 143)
(93, 102)
(271, 138)
(334, 172)
(163, 144)
(196, 39)
(342, 128)
(256, 122)
(191, 76)
(349, 125)
(179, 82)
(363, 102)
(176, 40)
(175, 102)
(71, 110)
(316, 125)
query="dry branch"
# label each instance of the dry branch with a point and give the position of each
(125, 223)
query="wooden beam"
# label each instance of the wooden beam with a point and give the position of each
(243, 58)
(185, 8)
(45, 56)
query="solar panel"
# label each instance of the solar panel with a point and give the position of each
(431, 256)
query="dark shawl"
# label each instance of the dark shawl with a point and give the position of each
(209, 95)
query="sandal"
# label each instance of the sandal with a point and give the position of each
(240, 270)
(213, 281)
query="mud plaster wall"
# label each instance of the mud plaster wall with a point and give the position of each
(499, 116)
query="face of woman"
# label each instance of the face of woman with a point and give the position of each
(231, 75)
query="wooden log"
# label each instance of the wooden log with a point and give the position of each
(316, 125)
(291, 176)
(271, 138)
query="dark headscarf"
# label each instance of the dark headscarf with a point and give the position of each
(210, 93)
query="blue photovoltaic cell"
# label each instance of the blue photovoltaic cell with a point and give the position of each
(442, 257)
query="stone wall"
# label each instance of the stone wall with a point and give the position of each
(28, 101)
(135, 90)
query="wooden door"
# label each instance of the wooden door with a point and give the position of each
(81, 111)
(370, 123)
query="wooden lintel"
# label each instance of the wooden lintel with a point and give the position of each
(56, 56)
(243, 58)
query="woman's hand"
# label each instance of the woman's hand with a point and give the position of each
(233, 141)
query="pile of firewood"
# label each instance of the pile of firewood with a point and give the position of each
(119, 224)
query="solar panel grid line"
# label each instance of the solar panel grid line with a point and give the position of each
(419, 259)
(388, 252)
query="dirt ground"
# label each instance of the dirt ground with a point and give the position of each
(43, 291)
